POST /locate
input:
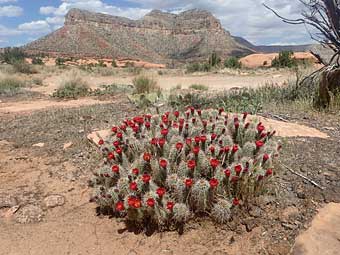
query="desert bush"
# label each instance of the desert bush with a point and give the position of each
(198, 67)
(12, 55)
(37, 81)
(72, 88)
(112, 89)
(114, 64)
(285, 59)
(214, 60)
(37, 61)
(144, 84)
(10, 86)
(233, 63)
(60, 61)
(199, 87)
(23, 67)
(163, 170)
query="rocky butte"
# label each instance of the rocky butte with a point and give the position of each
(158, 37)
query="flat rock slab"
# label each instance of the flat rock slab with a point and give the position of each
(323, 237)
(54, 201)
(283, 129)
(29, 214)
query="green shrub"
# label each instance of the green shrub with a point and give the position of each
(12, 55)
(198, 67)
(144, 84)
(163, 170)
(23, 67)
(114, 64)
(60, 61)
(285, 59)
(214, 59)
(199, 87)
(233, 63)
(10, 86)
(112, 89)
(37, 61)
(72, 88)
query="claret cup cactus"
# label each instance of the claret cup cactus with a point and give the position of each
(164, 169)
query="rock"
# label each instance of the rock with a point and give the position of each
(250, 224)
(289, 213)
(255, 211)
(11, 211)
(289, 226)
(67, 145)
(29, 214)
(40, 145)
(54, 201)
(323, 236)
(7, 200)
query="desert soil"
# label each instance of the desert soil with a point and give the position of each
(46, 161)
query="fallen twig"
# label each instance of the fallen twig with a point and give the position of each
(303, 177)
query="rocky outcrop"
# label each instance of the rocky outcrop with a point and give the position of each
(158, 37)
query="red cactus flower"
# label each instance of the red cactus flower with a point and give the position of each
(212, 149)
(205, 123)
(188, 183)
(213, 137)
(119, 150)
(135, 171)
(260, 128)
(114, 129)
(135, 129)
(279, 147)
(237, 124)
(161, 142)
(196, 150)
(123, 127)
(161, 125)
(220, 111)
(176, 113)
(138, 120)
(119, 135)
(197, 139)
(213, 183)
(191, 164)
(265, 157)
(131, 201)
(234, 179)
(165, 132)
(245, 114)
(165, 119)
(147, 157)
(179, 146)
(259, 144)
(137, 203)
(199, 112)
(269, 172)
(263, 135)
(116, 143)
(260, 177)
(115, 169)
(214, 163)
(181, 121)
(193, 120)
(187, 126)
(101, 142)
(192, 110)
(147, 125)
(160, 192)
(146, 178)
(188, 141)
(133, 186)
(235, 148)
(226, 149)
(203, 138)
(238, 169)
(170, 205)
(148, 116)
(111, 156)
(150, 202)
(163, 163)
(106, 175)
(236, 202)
(154, 141)
(175, 125)
(227, 172)
(120, 206)
(246, 125)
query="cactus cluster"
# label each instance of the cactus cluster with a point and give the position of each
(164, 169)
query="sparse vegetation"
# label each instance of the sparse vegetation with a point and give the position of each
(23, 67)
(72, 88)
(12, 55)
(10, 86)
(144, 84)
(214, 60)
(199, 87)
(60, 61)
(198, 67)
(285, 59)
(233, 63)
(37, 61)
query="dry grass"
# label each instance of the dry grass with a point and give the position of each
(10, 85)
(145, 84)
(72, 87)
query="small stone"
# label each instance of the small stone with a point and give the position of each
(250, 224)
(54, 201)
(81, 131)
(11, 211)
(40, 145)
(67, 145)
(7, 200)
(301, 195)
(29, 214)
(289, 226)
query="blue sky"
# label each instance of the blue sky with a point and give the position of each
(22, 21)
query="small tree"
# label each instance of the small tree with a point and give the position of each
(232, 62)
(12, 55)
(285, 59)
(214, 59)
(37, 61)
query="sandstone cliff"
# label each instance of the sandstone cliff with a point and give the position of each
(158, 37)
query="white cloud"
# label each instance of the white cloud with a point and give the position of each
(35, 27)
(10, 11)
(46, 10)
(7, 1)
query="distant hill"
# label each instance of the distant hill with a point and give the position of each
(158, 37)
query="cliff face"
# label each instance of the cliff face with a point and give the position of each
(158, 37)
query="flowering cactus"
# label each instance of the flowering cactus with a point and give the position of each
(167, 168)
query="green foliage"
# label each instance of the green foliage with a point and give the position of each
(37, 61)
(23, 67)
(285, 59)
(233, 63)
(161, 170)
(114, 64)
(60, 61)
(101, 64)
(10, 86)
(72, 89)
(199, 87)
(112, 89)
(214, 60)
(198, 67)
(144, 84)
(12, 55)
